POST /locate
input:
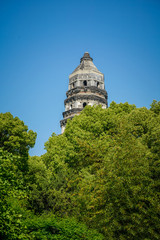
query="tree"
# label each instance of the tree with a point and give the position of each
(114, 157)
(14, 135)
(15, 141)
(155, 107)
(13, 195)
(15, 138)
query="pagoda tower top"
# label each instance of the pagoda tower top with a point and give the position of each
(86, 87)
(86, 64)
(86, 56)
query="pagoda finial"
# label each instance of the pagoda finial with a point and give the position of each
(86, 56)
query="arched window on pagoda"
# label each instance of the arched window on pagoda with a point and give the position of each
(85, 83)
(84, 104)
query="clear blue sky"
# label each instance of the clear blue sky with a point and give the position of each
(42, 41)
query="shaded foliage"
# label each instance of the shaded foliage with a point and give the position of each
(51, 227)
(13, 198)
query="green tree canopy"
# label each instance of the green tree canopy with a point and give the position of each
(14, 135)
(103, 171)
(114, 155)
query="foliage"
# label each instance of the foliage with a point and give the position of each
(51, 227)
(102, 173)
(155, 107)
(16, 186)
(47, 186)
(113, 156)
(12, 199)
(14, 135)
(15, 141)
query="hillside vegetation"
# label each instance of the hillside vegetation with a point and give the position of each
(99, 180)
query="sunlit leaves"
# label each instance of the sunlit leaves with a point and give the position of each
(14, 135)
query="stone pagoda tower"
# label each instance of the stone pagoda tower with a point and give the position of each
(86, 87)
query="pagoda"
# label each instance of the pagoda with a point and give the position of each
(86, 87)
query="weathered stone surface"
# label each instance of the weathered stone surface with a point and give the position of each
(91, 89)
(85, 97)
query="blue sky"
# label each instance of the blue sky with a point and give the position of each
(42, 41)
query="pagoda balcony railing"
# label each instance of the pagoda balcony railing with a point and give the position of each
(71, 111)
